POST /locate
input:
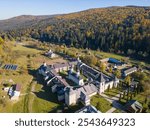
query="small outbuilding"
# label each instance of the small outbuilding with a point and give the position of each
(14, 91)
(133, 106)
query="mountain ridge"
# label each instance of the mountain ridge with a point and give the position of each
(121, 30)
(17, 21)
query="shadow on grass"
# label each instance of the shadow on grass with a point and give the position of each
(47, 95)
(64, 76)
(33, 47)
(66, 109)
(45, 92)
(110, 95)
(37, 77)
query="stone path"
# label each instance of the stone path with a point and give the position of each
(111, 110)
(114, 102)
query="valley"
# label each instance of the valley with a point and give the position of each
(35, 95)
(94, 61)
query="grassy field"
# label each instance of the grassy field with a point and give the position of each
(117, 111)
(112, 92)
(104, 105)
(33, 97)
(107, 55)
(101, 55)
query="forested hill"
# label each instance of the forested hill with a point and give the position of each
(123, 30)
(22, 21)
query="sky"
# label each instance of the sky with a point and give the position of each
(11, 8)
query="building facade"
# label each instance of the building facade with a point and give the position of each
(97, 82)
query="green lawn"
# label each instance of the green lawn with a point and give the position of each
(104, 105)
(117, 111)
(41, 99)
(140, 97)
(38, 101)
(112, 92)
(108, 55)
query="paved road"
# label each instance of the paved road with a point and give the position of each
(111, 110)
(114, 102)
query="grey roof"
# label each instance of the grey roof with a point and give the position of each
(88, 109)
(90, 88)
(130, 70)
(60, 65)
(54, 72)
(63, 81)
(89, 70)
(73, 63)
(87, 90)
(102, 78)
(82, 92)
(75, 75)
(94, 74)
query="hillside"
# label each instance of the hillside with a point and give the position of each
(121, 30)
(21, 21)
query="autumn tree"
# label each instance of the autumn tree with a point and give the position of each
(1, 41)
(102, 67)
(117, 73)
(128, 80)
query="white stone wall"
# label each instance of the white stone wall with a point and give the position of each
(130, 73)
(77, 81)
(109, 84)
(101, 88)
(116, 83)
(92, 94)
(70, 99)
(105, 86)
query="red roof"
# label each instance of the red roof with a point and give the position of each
(18, 87)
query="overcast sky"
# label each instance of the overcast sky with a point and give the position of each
(11, 8)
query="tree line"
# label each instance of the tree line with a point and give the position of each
(121, 30)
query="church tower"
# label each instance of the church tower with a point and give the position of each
(116, 82)
(70, 96)
(101, 84)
